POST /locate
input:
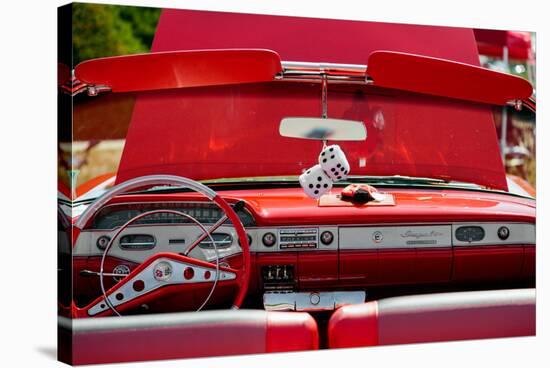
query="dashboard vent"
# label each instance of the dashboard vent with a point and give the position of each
(137, 242)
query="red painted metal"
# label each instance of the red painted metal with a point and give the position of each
(93, 183)
(528, 270)
(309, 39)
(491, 42)
(180, 69)
(358, 267)
(273, 207)
(487, 263)
(433, 76)
(317, 269)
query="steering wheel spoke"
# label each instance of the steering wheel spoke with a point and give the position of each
(161, 270)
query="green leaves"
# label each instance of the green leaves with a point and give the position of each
(111, 30)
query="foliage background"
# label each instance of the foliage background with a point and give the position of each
(109, 30)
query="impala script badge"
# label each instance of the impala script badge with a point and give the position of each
(417, 234)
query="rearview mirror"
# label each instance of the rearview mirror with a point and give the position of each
(323, 129)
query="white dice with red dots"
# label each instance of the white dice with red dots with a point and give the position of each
(315, 182)
(334, 163)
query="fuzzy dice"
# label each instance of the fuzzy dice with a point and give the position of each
(315, 182)
(334, 163)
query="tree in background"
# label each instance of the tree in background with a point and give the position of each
(110, 30)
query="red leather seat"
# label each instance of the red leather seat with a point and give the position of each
(185, 335)
(434, 317)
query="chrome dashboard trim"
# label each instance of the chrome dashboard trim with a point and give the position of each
(521, 233)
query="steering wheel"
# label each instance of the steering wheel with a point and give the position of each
(161, 271)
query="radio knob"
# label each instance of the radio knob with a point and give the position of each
(503, 232)
(327, 237)
(269, 239)
(314, 298)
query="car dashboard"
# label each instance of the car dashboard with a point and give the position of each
(428, 237)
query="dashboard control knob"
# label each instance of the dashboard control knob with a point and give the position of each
(314, 298)
(269, 239)
(102, 242)
(503, 233)
(327, 237)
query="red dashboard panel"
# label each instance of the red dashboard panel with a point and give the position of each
(344, 267)
(283, 207)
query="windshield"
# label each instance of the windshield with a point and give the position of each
(232, 131)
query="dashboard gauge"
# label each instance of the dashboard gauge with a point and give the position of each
(163, 271)
(117, 215)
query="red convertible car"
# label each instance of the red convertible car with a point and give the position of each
(215, 229)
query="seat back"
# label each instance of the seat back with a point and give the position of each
(185, 335)
(434, 317)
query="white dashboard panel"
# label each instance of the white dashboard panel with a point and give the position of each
(383, 237)
(345, 237)
(518, 233)
(86, 243)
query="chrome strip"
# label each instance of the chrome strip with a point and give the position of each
(289, 66)
(311, 301)
(295, 70)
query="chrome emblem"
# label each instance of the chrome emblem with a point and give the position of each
(122, 270)
(162, 271)
(420, 234)
(377, 236)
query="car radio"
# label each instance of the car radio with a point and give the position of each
(298, 238)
